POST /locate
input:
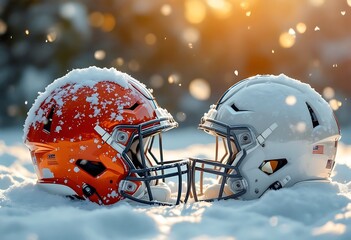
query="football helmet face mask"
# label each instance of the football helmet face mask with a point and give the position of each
(91, 135)
(276, 132)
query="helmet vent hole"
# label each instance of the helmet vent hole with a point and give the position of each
(314, 119)
(235, 108)
(93, 168)
(48, 122)
(135, 105)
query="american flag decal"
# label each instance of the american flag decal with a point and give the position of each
(318, 149)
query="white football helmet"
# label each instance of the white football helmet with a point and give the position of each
(276, 131)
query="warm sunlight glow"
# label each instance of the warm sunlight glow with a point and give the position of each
(317, 3)
(200, 89)
(349, 2)
(287, 40)
(244, 5)
(301, 27)
(166, 9)
(222, 8)
(195, 11)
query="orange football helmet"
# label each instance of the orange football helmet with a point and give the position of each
(91, 135)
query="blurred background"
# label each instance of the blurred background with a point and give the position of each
(188, 51)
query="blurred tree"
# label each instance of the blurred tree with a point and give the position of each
(167, 44)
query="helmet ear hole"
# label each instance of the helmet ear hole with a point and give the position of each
(271, 166)
(93, 168)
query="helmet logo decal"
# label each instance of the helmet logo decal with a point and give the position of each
(271, 166)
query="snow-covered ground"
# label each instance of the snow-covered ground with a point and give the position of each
(306, 211)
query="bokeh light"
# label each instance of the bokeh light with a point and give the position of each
(328, 93)
(166, 9)
(301, 27)
(195, 11)
(287, 40)
(119, 61)
(109, 23)
(200, 89)
(190, 35)
(156, 81)
(290, 100)
(3, 27)
(96, 19)
(301, 127)
(134, 65)
(51, 36)
(180, 116)
(150, 39)
(174, 78)
(335, 104)
(100, 55)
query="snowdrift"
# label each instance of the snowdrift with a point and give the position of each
(306, 211)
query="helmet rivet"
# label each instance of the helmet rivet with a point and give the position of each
(121, 137)
(257, 191)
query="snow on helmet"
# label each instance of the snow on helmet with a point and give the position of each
(91, 135)
(276, 132)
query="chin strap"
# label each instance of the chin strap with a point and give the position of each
(91, 193)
